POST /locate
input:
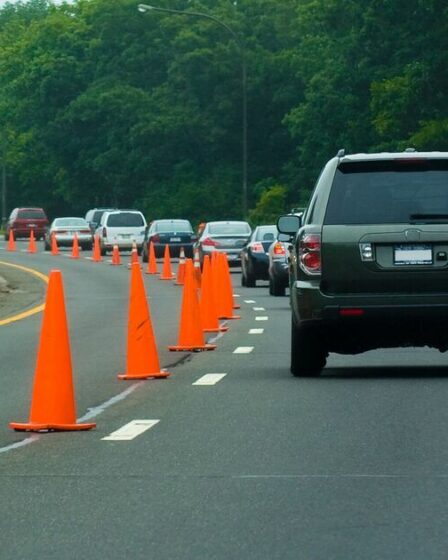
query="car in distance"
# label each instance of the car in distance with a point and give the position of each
(225, 237)
(123, 228)
(254, 257)
(93, 216)
(174, 233)
(24, 220)
(278, 267)
(64, 230)
(369, 262)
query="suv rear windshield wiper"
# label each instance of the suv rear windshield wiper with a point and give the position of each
(428, 217)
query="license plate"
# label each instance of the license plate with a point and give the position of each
(412, 255)
(31, 225)
(175, 239)
(125, 236)
(232, 257)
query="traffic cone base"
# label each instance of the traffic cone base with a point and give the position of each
(159, 375)
(192, 348)
(230, 317)
(236, 306)
(34, 427)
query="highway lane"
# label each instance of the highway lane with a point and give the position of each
(259, 465)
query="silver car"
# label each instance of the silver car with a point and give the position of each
(225, 237)
(64, 230)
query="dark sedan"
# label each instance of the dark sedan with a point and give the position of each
(254, 256)
(278, 254)
(174, 233)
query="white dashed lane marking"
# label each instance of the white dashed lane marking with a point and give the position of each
(261, 318)
(131, 430)
(249, 301)
(256, 331)
(258, 308)
(210, 379)
(243, 350)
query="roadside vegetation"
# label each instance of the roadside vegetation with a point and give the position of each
(103, 105)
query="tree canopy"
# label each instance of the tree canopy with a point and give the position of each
(103, 105)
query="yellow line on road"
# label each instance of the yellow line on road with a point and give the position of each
(32, 311)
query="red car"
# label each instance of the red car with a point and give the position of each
(22, 220)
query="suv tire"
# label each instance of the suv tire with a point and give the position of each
(308, 354)
(276, 289)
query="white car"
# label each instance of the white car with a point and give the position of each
(64, 230)
(122, 228)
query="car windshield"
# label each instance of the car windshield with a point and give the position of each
(70, 222)
(125, 219)
(266, 233)
(174, 226)
(391, 191)
(229, 229)
(31, 214)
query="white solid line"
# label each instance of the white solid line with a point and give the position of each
(256, 331)
(243, 350)
(249, 301)
(95, 411)
(210, 379)
(258, 308)
(131, 430)
(261, 318)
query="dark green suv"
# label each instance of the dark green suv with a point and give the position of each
(369, 265)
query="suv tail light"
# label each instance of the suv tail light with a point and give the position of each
(256, 247)
(155, 238)
(310, 253)
(104, 232)
(209, 242)
(279, 249)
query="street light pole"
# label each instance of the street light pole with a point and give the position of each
(146, 8)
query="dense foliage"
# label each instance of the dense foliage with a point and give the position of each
(103, 105)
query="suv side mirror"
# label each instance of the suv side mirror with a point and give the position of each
(289, 224)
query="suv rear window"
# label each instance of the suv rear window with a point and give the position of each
(125, 219)
(31, 214)
(389, 191)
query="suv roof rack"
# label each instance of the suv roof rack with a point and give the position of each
(341, 153)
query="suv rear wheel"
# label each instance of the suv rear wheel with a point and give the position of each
(308, 353)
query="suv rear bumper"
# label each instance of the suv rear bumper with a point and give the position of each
(356, 323)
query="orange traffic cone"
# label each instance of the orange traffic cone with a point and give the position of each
(167, 273)
(191, 334)
(225, 305)
(142, 359)
(116, 260)
(96, 249)
(197, 267)
(11, 241)
(54, 245)
(53, 403)
(75, 248)
(181, 268)
(32, 248)
(209, 313)
(134, 254)
(152, 263)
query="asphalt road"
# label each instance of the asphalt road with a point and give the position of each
(257, 466)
